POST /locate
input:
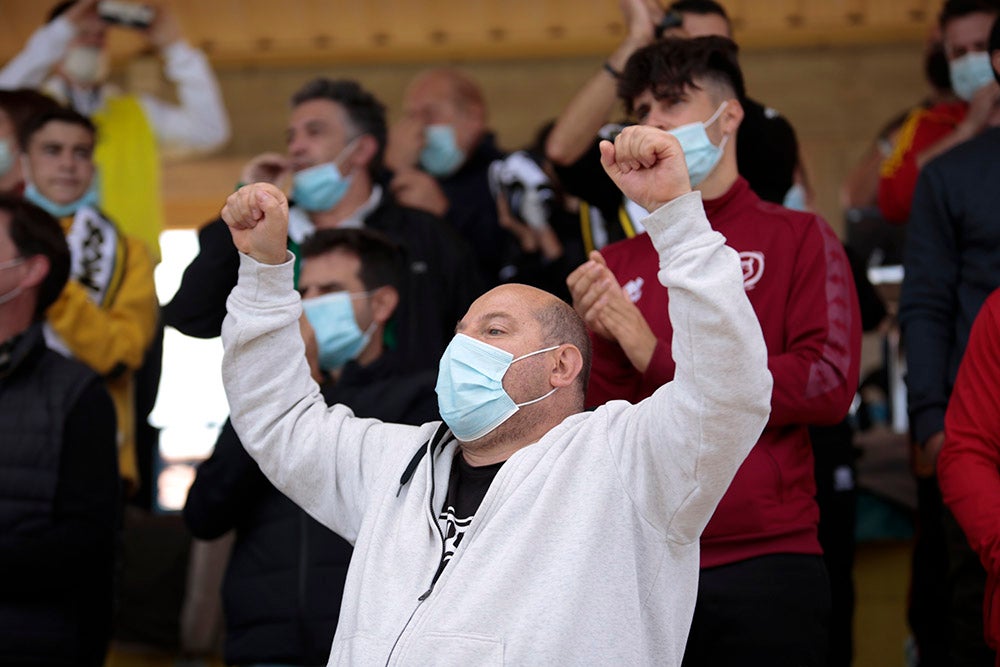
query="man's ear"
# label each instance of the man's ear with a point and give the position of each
(365, 151)
(385, 299)
(732, 116)
(38, 269)
(995, 60)
(568, 364)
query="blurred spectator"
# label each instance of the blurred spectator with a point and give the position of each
(969, 464)
(927, 133)
(951, 265)
(106, 316)
(440, 153)
(796, 276)
(286, 574)
(769, 152)
(336, 139)
(67, 58)
(16, 107)
(60, 491)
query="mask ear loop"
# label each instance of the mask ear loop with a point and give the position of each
(531, 354)
(346, 150)
(715, 116)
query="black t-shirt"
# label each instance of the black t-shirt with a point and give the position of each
(467, 486)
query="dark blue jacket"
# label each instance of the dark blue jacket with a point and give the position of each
(952, 263)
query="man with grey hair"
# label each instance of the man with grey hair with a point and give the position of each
(336, 137)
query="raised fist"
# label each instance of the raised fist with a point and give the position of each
(257, 215)
(647, 164)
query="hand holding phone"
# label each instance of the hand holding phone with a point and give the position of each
(127, 14)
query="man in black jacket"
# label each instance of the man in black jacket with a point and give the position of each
(59, 488)
(285, 577)
(336, 140)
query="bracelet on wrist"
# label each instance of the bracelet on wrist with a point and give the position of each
(611, 70)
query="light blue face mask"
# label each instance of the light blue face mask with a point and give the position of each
(441, 156)
(337, 333)
(471, 397)
(321, 187)
(970, 73)
(700, 154)
(6, 157)
(90, 198)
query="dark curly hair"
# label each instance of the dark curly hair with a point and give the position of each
(669, 66)
(363, 109)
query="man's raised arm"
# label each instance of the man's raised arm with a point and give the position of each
(324, 460)
(682, 446)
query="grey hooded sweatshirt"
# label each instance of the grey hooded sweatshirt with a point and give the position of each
(584, 550)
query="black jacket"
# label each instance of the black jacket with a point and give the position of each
(285, 577)
(59, 495)
(441, 282)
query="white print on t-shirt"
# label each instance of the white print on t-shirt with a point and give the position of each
(454, 529)
(633, 289)
(752, 263)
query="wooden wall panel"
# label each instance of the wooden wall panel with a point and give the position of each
(265, 32)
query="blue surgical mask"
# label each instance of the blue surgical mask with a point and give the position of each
(90, 198)
(321, 187)
(700, 154)
(337, 333)
(6, 157)
(970, 73)
(471, 397)
(441, 156)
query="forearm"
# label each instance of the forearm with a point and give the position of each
(323, 460)
(716, 407)
(200, 121)
(588, 111)
(44, 49)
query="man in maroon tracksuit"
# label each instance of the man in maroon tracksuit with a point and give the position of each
(763, 594)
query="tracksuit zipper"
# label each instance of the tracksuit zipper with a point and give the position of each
(441, 562)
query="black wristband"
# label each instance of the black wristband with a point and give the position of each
(611, 70)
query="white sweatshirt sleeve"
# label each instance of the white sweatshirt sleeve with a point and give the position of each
(200, 121)
(679, 449)
(324, 459)
(45, 48)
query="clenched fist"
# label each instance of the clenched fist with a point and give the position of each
(647, 164)
(257, 215)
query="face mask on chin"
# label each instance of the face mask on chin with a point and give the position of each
(321, 187)
(700, 154)
(85, 65)
(471, 397)
(89, 198)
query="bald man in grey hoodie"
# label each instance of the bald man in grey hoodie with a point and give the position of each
(521, 530)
